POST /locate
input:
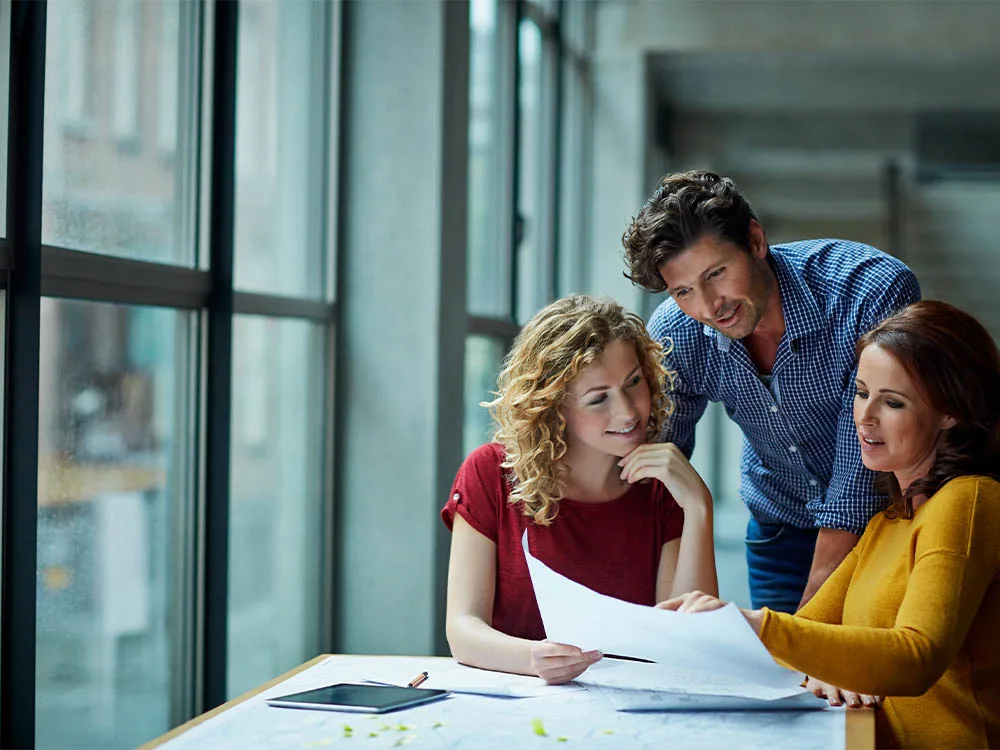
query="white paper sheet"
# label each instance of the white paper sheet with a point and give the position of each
(462, 679)
(709, 653)
(658, 700)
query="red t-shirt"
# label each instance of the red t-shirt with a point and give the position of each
(613, 548)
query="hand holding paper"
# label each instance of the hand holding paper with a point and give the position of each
(558, 663)
(713, 653)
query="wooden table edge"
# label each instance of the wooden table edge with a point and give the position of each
(860, 729)
(179, 730)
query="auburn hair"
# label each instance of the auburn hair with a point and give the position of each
(954, 362)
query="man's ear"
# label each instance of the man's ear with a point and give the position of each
(758, 239)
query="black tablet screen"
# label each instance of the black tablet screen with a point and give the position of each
(361, 697)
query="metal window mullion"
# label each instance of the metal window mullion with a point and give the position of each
(492, 327)
(219, 347)
(515, 162)
(105, 278)
(332, 91)
(276, 306)
(185, 590)
(20, 500)
(554, 46)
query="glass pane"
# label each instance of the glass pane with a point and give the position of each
(549, 8)
(4, 102)
(575, 22)
(533, 272)
(717, 440)
(489, 255)
(111, 491)
(279, 171)
(276, 516)
(574, 177)
(110, 183)
(483, 357)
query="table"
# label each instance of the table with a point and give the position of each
(580, 719)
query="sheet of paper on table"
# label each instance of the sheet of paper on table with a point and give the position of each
(462, 679)
(715, 655)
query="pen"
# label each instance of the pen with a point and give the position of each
(418, 680)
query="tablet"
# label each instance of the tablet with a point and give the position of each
(371, 699)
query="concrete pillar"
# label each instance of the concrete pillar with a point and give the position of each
(401, 294)
(618, 181)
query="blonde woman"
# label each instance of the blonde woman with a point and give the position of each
(581, 400)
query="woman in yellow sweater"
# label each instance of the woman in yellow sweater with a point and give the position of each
(913, 612)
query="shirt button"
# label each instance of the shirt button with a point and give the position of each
(456, 496)
(774, 407)
(813, 482)
(792, 448)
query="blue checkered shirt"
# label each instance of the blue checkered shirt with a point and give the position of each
(801, 462)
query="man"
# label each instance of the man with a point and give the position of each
(769, 332)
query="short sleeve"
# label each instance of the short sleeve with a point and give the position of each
(671, 516)
(479, 491)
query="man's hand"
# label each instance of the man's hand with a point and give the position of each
(557, 663)
(832, 546)
(665, 462)
(838, 697)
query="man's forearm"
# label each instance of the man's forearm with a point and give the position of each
(832, 546)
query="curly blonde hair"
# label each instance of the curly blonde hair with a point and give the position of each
(528, 408)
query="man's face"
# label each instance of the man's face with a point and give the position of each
(719, 284)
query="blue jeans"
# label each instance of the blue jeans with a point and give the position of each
(778, 559)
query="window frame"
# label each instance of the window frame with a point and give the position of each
(29, 270)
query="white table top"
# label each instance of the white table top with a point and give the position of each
(579, 718)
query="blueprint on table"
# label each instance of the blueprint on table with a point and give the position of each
(572, 718)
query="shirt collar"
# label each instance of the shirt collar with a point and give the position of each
(798, 304)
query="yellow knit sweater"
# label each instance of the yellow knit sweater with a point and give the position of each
(913, 614)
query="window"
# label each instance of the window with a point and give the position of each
(70, 25)
(276, 501)
(133, 503)
(4, 102)
(125, 101)
(280, 115)
(96, 195)
(520, 147)
(531, 220)
(571, 268)
(167, 76)
(280, 411)
(489, 259)
(111, 488)
(483, 356)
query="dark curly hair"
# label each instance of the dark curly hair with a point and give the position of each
(684, 208)
(955, 362)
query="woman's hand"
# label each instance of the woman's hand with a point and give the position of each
(693, 601)
(838, 697)
(557, 663)
(664, 461)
